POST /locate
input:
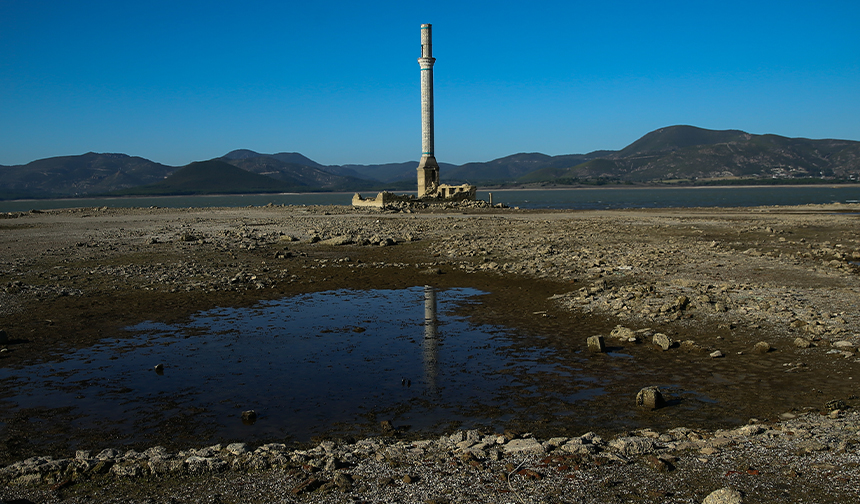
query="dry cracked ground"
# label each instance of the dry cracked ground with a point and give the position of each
(755, 308)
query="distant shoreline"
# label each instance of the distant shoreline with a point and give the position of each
(584, 198)
(746, 186)
(480, 188)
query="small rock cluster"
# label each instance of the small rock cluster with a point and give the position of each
(508, 466)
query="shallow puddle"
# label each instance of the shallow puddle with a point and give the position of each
(336, 361)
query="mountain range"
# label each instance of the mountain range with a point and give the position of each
(675, 154)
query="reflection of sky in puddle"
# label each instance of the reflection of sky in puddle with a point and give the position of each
(306, 364)
(619, 354)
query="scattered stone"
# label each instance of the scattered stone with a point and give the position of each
(337, 240)
(596, 344)
(159, 369)
(747, 430)
(844, 346)
(527, 445)
(663, 341)
(659, 464)
(802, 343)
(306, 486)
(387, 427)
(650, 398)
(128, 470)
(630, 446)
(724, 496)
(623, 333)
(690, 346)
(249, 417)
(716, 354)
(238, 448)
(343, 481)
(333, 464)
(835, 404)
(762, 347)
(107, 454)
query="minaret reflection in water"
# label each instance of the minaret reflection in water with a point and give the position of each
(430, 339)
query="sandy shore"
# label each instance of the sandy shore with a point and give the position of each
(709, 284)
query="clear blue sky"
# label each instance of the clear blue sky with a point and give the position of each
(338, 81)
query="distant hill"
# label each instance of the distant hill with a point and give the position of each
(675, 154)
(296, 170)
(355, 176)
(695, 155)
(678, 137)
(285, 157)
(211, 177)
(515, 166)
(89, 173)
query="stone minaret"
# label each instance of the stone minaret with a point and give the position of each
(428, 169)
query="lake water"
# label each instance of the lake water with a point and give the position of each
(307, 364)
(580, 198)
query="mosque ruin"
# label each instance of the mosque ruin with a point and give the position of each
(429, 188)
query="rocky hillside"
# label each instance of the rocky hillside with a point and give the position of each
(89, 173)
(693, 154)
(213, 177)
(295, 170)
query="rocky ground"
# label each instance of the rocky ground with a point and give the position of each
(756, 306)
(811, 458)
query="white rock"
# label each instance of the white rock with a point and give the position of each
(724, 496)
(747, 430)
(528, 445)
(237, 448)
(632, 445)
(622, 332)
(663, 341)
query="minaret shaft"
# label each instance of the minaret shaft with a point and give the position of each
(428, 169)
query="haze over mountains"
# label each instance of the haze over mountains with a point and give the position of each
(675, 154)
